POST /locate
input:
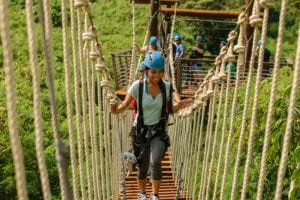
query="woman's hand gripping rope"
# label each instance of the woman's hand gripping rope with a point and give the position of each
(118, 108)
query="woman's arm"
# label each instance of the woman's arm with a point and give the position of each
(176, 97)
(137, 48)
(118, 108)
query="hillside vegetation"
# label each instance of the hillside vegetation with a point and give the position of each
(113, 18)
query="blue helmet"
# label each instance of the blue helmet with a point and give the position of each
(142, 66)
(177, 37)
(258, 42)
(224, 42)
(200, 38)
(153, 40)
(154, 60)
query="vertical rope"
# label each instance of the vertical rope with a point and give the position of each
(170, 48)
(256, 22)
(83, 105)
(88, 52)
(199, 142)
(207, 145)
(222, 76)
(230, 58)
(292, 104)
(226, 107)
(37, 101)
(77, 105)
(107, 146)
(214, 139)
(133, 51)
(101, 137)
(196, 133)
(93, 116)
(191, 152)
(61, 156)
(187, 151)
(11, 103)
(88, 83)
(68, 99)
(266, 5)
(240, 49)
(121, 166)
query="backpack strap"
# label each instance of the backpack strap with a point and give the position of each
(163, 115)
(140, 117)
(170, 106)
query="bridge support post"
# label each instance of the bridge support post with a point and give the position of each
(154, 5)
(249, 33)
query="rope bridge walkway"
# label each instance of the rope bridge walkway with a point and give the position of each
(222, 146)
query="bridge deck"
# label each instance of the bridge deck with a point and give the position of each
(168, 188)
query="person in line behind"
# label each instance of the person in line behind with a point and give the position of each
(267, 54)
(154, 104)
(133, 105)
(223, 43)
(197, 52)
(180, 48)
(167, 47)
(267, 68)
(152, 46)
(180, 53)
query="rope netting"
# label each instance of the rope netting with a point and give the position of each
(212, 141)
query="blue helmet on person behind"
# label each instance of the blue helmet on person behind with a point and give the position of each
(153, 40)
(224, 42)
(258, 42)
(199, 38)
(142, 66)
(154, 60)
(177, 37)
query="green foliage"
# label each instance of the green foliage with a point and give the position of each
(1, 56)
(278, 128)
(56, 13)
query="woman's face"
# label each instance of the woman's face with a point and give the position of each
(155, 75)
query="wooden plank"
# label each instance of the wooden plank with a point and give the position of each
(210, 14)
(162, 2)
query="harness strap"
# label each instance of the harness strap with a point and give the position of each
(170, 106)
(163, 115)
(148, 140)
(140, 120)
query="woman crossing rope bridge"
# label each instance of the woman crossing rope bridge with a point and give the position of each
(154, 101)
(232, 143)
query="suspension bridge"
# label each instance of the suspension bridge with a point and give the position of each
(213, 152)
